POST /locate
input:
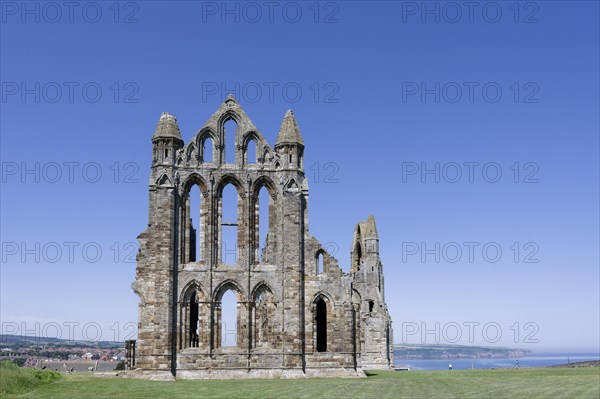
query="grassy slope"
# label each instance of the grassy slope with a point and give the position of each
(14, 379)
(524, 383)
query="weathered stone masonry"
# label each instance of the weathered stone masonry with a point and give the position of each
(293, 320)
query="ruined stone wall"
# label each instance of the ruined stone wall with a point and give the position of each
(291, 317)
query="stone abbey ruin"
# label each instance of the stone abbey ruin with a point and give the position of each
(298, 314)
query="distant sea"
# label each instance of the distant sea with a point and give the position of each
(533, 360)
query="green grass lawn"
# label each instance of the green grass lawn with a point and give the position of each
(15, 379)
(522, 383)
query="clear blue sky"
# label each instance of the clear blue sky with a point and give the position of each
(379, 103)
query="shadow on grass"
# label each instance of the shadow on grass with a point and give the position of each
(378, 374)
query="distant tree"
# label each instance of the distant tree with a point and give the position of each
(120, 365)
(19, 361)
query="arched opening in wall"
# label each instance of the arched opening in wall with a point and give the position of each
(190, 153)
(164, 180)
(195, 221)
(229, 129)
(193, 330)
(250, 152)
(229, 224)
(263, 312)
(321, 324)
(229, 315)
(371, 306)
(264, 209)
(319, 262)
(192, 318)
(207, 150)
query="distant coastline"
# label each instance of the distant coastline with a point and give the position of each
(464, 357)
(422, 351)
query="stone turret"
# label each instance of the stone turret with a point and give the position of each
(289, 144)
(367, 271)
(371, 237)
(166, 140)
